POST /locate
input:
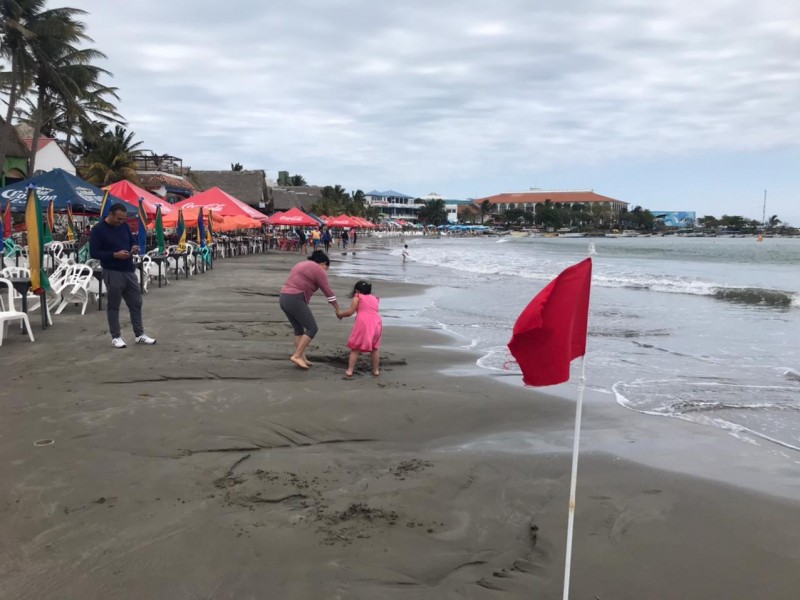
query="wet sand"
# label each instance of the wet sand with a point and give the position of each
(209, 466)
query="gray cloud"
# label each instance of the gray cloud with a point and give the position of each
(368, 93)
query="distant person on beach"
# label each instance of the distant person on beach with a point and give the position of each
(327, 239)
(405, 252)
(305, 278)
(355, 238)
(367, 329)
(315, 238)
(112, 243)
(302, 240)
(345, 239)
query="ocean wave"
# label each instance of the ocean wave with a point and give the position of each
(614, 332)
(544, 269)
(758, 296)
(699, 402)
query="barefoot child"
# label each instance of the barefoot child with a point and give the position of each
(405, 252)
(367, 329)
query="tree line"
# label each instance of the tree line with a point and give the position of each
(54, 85)
(599, 216)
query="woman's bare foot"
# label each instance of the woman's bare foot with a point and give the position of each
(299, 362)
(376, 373)
(348, 373)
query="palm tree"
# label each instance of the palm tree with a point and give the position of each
(36, 42)
(486, 208)
(113, 159)
(89, 135)
(89, 105)
(60, 71)
(433, 212)
(774, 221)
(15, 17)
(73, 115)
(297, 180)
(237, 167)
(709, 222)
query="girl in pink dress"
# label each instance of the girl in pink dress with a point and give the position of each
(367, 329)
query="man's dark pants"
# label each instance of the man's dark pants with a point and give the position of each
(123, 285)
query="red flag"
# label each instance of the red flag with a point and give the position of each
(552, 329)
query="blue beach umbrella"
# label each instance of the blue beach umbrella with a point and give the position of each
(62, 188)
(181, 232)
(201, 229)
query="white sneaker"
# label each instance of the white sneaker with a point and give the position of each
(145, 339)
(118, 343)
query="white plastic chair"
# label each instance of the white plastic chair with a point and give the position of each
(20, 257)
(147, 264)
(153, 265)
(75, 287)
(173, 261)
(9, 314)
(57, 278)
(34, 301)
(53, 255)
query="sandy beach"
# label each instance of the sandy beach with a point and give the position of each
(209, 466)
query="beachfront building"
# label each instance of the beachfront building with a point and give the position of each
(450, 204)
(173, 188)
(49, 156)
(394, 206)
(164, 176)
(284, 197)
(248, 186)
(534, 198)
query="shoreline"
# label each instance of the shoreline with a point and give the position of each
(209, 466)
(664, 443)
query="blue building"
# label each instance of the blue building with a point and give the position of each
(394, 205)
(674, 218)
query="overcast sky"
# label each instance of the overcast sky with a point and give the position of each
(687, 105)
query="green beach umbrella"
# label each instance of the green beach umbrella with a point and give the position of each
(160, 230)
(49, 224)
(35, 226)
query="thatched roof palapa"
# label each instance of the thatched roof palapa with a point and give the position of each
(248, 186)
(301, 196)
(13, 144)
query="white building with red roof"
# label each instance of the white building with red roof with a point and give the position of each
(49, 156)
(531, 199)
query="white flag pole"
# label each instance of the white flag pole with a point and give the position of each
(574, 481)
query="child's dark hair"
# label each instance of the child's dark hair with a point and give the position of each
(362, 287)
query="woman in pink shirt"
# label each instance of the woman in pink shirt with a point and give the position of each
(305, 278)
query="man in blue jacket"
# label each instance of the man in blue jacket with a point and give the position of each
(112, 243)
